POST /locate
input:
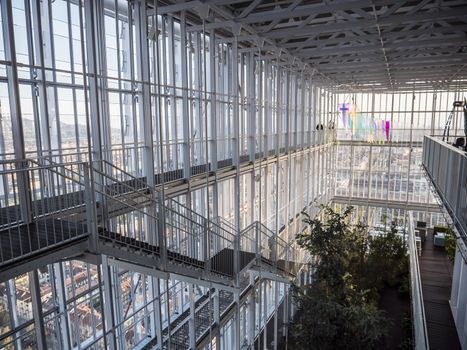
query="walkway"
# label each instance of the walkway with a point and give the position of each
(436, 275)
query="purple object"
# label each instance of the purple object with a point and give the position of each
(343, 107)
(388, 129)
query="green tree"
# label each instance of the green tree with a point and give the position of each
(386, 261)
(449, 241)
(338, 248)
(323, 322)
(335, 312)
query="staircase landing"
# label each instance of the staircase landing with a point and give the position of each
(26, 247)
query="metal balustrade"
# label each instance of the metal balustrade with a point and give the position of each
(114, 211)
(194, 239)
(40, 208)
(119, 210)
(191, 239)
(446, 166)
(219, 221)
(203, 323)
(416, 293)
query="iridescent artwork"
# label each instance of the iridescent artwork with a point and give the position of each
(387, 128)
(344, 109)
(363, 127)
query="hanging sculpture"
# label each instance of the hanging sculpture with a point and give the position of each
(344, 108)
(363, 127)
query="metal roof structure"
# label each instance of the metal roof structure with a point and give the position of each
(376, 44)
(158, 159)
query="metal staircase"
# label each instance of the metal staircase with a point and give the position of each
(40, 215)
(99, 208)
(178, 239)
(81, 209)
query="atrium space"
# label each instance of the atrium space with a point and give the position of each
(160, 159)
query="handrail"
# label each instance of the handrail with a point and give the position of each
(86, 164)
(38, 167)
(418, 309)
(446, 169)
(64, 166)
(132, 176)
(256, 225)
(441, 135)
(168, 208)
(196, 214)
(120, 190)
(126, 204)
(39, 194)
(223, 222)
(134, 190)
(447, 144)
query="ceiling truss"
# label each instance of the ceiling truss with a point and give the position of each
(387, 43)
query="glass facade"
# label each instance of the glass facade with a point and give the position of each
(230, 134)
(377, 166)
(115, 81)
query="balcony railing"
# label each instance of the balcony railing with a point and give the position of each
(416, 294)
(45, 205)
(446, 167)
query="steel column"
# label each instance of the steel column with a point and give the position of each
(36, 302)
(15, 109)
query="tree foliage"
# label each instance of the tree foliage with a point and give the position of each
(449, 241)
(338, 310)
(324, 323)
(386, 260)
(450, 246)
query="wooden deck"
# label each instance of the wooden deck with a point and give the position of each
(436, 276)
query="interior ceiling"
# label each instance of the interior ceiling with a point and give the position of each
(384, 44)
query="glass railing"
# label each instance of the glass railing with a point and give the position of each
(416, 293)
(446, 166)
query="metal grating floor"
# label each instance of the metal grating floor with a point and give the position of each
(27, 240)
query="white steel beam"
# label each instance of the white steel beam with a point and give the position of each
(328, 27)
(15, 109)
(37, 313)
(307, 10)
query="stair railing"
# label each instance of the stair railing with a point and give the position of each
(110, 203)
(186, 233)
(258, 239)
(40, 208)
(124, 205)
(226, 225)
(200, 239)
(136, 184)
(188, 237)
